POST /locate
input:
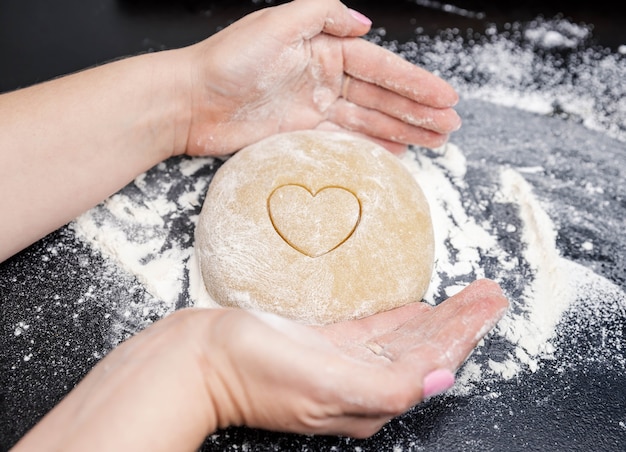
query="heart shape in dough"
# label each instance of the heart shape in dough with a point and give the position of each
(314, 223)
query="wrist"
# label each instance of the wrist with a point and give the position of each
(167, 101)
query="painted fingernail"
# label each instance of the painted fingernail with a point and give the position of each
(360, 17)
(437, 381)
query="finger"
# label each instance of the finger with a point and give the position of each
(312, 17)
(372, 63)
(482, 301)
(359, 338)
(379, 125)
(353, 426)
(395, 148)
(457, 324)
(447, 335)
(379, 390)
(376, 324)
(441, 120)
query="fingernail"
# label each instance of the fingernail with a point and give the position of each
(437, 381)
(458, 124)
(360, 17)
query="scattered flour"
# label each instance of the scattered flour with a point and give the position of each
(135, 236)
(553, 283)
(547, 66)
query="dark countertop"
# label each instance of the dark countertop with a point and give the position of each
(61, 299)
(40, 40)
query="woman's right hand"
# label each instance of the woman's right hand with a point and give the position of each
(198, 370)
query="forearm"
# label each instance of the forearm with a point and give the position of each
(149, 394)
(67, 144)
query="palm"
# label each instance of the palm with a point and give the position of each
(441, 336)
(277, 88)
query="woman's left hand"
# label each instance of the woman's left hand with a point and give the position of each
(301, 65)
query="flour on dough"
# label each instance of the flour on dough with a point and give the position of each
(315, 226)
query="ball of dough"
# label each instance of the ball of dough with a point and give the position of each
(315, 226)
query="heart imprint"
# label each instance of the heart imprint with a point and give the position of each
(314, 223)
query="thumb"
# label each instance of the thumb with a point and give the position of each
(338, 23)
(328, 16)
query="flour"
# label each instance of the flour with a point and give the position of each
(530, 329)
(554, 285)
(545, 66)
(134, 228)
(550, 293)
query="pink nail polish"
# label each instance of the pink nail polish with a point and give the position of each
(360, 17)
(437, 381)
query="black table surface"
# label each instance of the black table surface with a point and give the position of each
(578, 406)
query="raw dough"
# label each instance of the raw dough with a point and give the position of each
(315, 226)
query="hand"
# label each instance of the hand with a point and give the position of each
(351, 377)
(301, 66)
(199, 369)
